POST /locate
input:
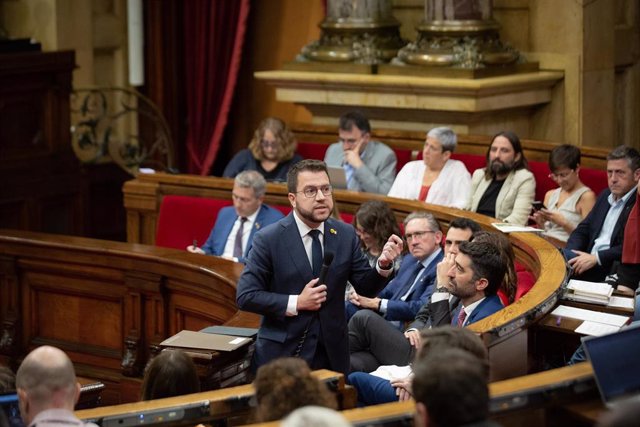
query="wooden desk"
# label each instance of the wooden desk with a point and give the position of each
(224, 403)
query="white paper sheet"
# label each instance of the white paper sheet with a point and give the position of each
(596, 329)
(621, 302)
(593, 316)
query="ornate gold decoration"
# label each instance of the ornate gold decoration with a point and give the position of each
(105, 127)
(357, 31)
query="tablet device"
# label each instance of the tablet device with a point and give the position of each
(337, 177)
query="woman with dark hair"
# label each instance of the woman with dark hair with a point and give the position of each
(374, 222)
(566, 206)
(517, 280)
(504, 189)
(171, 373)
(285, 384)
(272, 151)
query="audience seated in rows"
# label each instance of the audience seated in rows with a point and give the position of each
(369, 166)
(47, 389)
(436, 179)
(505, 188)
(566, 206)
(373, 342)
(596, 244)
(389, 384)
(285, 384)
(315, 416)
(451, 389)
(401, 299)
(271, 152)
(170, 373)
(232, 234)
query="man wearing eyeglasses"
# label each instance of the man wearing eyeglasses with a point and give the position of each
(596, 243)
(401, 299)
(302, 317)
(369, 166)
(233, 232)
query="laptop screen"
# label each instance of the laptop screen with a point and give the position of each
(615, 359)
(11, 409)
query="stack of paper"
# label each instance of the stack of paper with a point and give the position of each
(591, 292)
(505, 227)
(595, 322)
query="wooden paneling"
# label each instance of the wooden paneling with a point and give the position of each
(107, 304)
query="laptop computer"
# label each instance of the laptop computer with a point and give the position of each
(11, 409)
(337, 177)
(615, 359)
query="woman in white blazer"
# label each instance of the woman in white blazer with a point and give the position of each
(437, 178)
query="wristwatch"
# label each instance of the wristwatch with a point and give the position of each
(442, 289)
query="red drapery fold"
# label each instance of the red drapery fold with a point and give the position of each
(630, 246)
(213, 36)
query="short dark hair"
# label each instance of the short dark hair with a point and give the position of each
(355, 118)
(630, 154)
(521, 163)
(564, 155)
(310, 165)
(452, 385)
(465, 224)
(447, 336)
(500, 240)
(171, 373)
(487, 262)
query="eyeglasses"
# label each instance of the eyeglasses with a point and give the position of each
(417, 234)
(560, 175)
(312, 192)
(268, 144)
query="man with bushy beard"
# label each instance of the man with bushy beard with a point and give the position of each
(504, 189)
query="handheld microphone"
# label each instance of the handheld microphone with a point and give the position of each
(326, 262)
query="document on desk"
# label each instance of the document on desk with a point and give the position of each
(593, 316)
(505, 227)
(621, 302)
(596, 329)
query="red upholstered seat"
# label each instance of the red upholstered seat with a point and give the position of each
(526, 280)
(183, 219)
(311, 150)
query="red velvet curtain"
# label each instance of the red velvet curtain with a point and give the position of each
(213, 37)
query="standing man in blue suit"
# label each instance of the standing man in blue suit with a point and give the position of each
(302, 317)
(233, 232)
(596, 243)
(368, 165)
(401, 299)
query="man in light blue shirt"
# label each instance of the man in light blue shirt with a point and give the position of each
(596, 243)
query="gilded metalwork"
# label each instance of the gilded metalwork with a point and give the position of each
(105, 127)
(358, 31)
(458, 33)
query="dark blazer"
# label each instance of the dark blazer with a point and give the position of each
(583, 237)
(407, 310)
(278, 266)
(443, 312)
(224, 223)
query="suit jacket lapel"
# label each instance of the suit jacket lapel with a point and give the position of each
(257, 225)
(331, 238)
(297, 254)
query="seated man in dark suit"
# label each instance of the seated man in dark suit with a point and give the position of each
(401, 299)
(474, 279)
(232, 234)
(596, 244)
